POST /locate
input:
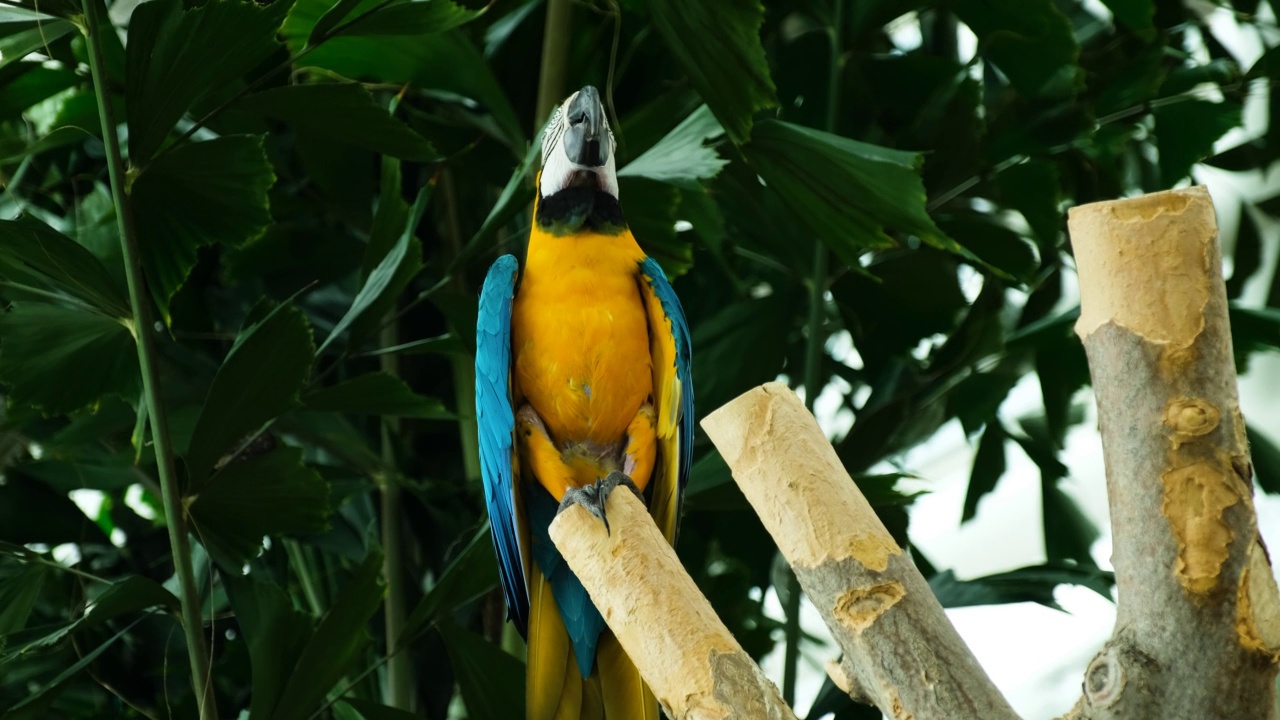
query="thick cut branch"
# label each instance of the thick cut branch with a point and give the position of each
(1198, 624)
(691, 662)
(900, 651)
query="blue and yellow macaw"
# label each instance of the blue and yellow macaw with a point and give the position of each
(582, 373)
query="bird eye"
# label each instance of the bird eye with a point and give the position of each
(578, 118)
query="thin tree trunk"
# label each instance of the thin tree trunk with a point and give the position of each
(682, 650)
(900, 651)
(1198, 624)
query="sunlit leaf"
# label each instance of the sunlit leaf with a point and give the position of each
(22, 39)
(717, 43)
(199, 194)
(682, 157)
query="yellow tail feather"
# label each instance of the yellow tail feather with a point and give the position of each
(553, 688)
(626, 697)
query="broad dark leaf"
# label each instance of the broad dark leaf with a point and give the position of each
(1247, 256)
(1265, 456)
(1029, 584)
(406, 18)
(268, 495)
(471, 574)
(199, 194)
(1137, 14)
(20, 39)
(370, 710)
(717, 43)
(260, 379)
(61, 359)
(376, 393)
(32, 252)
(177, 55)
(335, 644)
(17, 596)
(1186, 131)
(1029, 40)
(849, 192)
(342, 113)
(988, 468)
(490, 680)
(275, 632)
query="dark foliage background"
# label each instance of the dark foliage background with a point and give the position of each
(317, 190)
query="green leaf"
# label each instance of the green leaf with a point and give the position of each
(32, 252)
(25, 38)
(18, 595)
(650, 209)
(390, 222)
(472, 574)
(261, 379)
(1032, 188)
(849, 192)
(1265, 456)
(379, 281)
(446, 344)
(1186, 131)
(1029, 584)
(177, 56)
(411, 18)
(516, 195)
(1030, 41)
(370, 710)
(33, 696)
(998, 247)
(717, 43)
(272, 494)
(682, 157)
(335, 643)
(376, 393)
(1137, 14)
(199, 194)
(1247, 256)
(490, 680)
(447, 62)
(34, 85)
(275, 632)
(988, 467)
(343, 113)
(62, 359)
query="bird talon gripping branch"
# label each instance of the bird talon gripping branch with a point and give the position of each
(595, 497)
(592, 347)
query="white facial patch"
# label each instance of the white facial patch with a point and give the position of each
(558, 169)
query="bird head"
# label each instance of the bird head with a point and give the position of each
(578, 147)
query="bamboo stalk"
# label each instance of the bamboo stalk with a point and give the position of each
(148, 360)
(900, 651)
(694, 666)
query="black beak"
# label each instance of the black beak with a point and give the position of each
(586, 136)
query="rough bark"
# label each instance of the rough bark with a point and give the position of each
(900, 651)
(1198, 622)
(692, 663)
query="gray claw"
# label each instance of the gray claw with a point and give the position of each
(594, 496)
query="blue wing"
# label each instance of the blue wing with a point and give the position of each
(671, 353)
(496, 424)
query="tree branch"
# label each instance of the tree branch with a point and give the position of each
(1198, 624)
(668, 629)
(900, 651)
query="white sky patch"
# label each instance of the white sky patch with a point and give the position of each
(134, 501)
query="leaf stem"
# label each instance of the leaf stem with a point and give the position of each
(814, 381)
(148, 360)
(399, 670)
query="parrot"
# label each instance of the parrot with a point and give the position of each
(583, 383)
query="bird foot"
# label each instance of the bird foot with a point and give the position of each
(594, 496)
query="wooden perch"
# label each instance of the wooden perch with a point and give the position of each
(1198, 624)
(900, 651)
(694, 666)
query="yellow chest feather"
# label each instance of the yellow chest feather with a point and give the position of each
(580, 336)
